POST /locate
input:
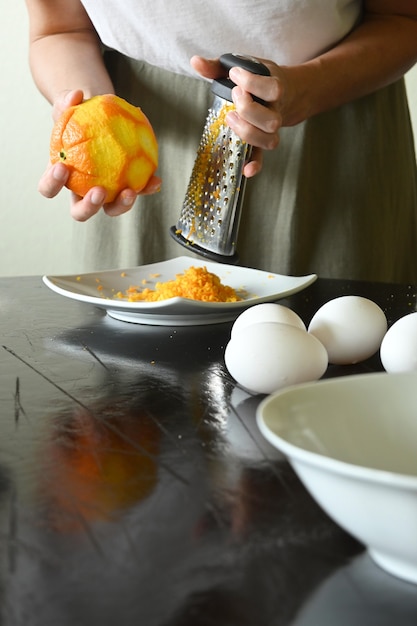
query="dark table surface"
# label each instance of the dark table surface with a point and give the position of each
(136, 489)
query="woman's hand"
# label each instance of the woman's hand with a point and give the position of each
(56, 176)
(377, 52)
(257, 124)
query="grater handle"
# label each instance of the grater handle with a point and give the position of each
(247, 63)
(222, 87)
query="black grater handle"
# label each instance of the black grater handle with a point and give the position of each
(222, 87)
(247, 63)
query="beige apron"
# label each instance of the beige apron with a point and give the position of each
(337, 198)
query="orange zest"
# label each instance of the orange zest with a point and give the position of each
(196, 283)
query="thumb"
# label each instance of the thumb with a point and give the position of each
(65, 100)
(208, 68)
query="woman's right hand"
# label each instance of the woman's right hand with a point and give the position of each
(56, 175)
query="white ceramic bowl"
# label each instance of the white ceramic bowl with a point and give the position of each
(353, 443)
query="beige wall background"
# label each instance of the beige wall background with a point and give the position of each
(35, 233)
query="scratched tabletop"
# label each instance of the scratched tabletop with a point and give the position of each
(136, 489)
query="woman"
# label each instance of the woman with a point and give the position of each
(333, 185)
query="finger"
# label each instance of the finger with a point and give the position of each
(153, 186)
(84, 208)
(65, 100)
(209, 68)
(268, 120)
(264, 87)
(73, 97)
(52, 181)
(122, 204)
(126, 199)
(250, 133)
(254, 165)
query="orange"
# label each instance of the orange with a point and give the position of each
(105, 141)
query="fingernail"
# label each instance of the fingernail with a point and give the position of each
(157, 187)
(97, 197)
(232, 118)
(68, 98)
(128, 199)
(236, 94)
(235, 73)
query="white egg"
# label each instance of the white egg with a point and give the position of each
(399, 346)
(267, 356)
(351, 328)
(267, 312)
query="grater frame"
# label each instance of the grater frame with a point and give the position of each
(210, 216)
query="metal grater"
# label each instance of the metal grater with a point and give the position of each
(209, 220)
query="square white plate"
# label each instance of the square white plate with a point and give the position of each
(100, 289)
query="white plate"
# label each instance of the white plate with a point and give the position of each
(100, 288)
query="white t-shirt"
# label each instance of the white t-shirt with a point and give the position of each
(166, 33)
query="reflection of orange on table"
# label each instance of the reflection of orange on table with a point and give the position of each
(98, 468)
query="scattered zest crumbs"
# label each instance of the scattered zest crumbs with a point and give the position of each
(196, 283)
